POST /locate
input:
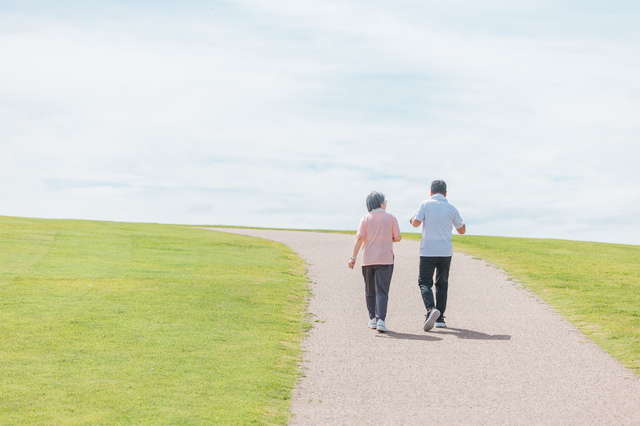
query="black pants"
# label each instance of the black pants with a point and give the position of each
(441, 267)
(377, 279)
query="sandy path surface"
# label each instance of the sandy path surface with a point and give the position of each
(505, 359)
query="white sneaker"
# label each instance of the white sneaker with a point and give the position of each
(373, 323)
(381, 326)
(440, 323)
(430, 320)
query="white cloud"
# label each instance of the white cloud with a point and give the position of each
(287, 114)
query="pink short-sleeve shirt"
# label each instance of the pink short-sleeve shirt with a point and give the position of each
(378, 229)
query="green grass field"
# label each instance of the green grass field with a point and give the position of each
(596, 286)
(120, 323)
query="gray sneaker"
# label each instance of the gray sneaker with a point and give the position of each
(430, 319)
(440, 323)
(373, 323)
(381, 326)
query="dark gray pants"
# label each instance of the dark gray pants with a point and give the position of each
(441, 266)
(377, 279)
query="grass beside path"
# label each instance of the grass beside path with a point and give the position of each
(121, 323)
(596, 286)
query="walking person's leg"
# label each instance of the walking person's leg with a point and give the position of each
(425, 281)
(442, 287)
(442, 283)
(370, 293)
(383, 276)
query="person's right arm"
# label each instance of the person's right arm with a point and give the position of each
(458, 223)
(396, 236)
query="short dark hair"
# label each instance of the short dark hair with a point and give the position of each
(439, 187)
(375, 200)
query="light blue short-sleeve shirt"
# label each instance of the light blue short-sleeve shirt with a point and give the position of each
(437, 217)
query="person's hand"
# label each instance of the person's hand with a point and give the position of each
(352, 263)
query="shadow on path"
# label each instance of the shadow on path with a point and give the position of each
(461, 333)
(406, 336)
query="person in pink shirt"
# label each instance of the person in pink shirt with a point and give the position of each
(376, 234)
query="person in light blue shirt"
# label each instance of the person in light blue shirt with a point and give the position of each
(437, 218)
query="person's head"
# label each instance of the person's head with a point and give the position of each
(375, 200)
(439, 187)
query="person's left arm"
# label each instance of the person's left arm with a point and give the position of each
(360, 238)
(356, 249)
(417, 218)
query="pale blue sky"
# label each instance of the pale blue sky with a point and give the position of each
(287, 114)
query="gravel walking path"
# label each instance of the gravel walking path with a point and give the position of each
(505, 358)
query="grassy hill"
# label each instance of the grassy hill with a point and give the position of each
(122, 323)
